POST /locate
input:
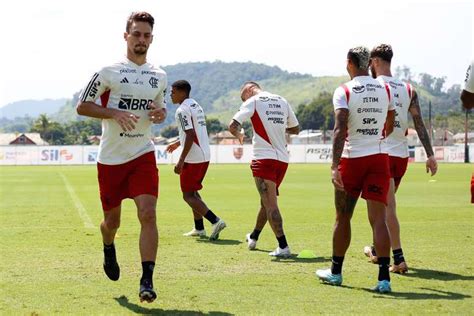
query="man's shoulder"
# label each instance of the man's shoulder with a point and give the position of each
(190, 104)
(153, 70)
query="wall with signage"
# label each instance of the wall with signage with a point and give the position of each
(81, 155)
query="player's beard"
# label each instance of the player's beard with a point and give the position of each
(140, 50)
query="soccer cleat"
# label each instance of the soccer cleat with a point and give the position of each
(195, 232)
(252, 243)
(111, 267)
(216, 229)
(401, 268)
(383, 287)
(327, 277)
(147, 293)
(369, 251)
(281, 253)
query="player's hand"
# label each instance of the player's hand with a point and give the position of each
(336, 179)
(179, 167)
(172, 147)
(431, 165)
(156, 115)
(126, 120)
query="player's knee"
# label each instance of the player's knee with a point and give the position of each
(147, 215)
(188, 196)
(112, 223)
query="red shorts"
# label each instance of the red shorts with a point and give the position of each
(269, 169)
(128, 180)
(369, 175)
(192, 175)
(472, 188)
(398, 167)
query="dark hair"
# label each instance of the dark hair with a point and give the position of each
(182, 85)
(252, 83)
(359, 56)
(383, 51)
(139, 17)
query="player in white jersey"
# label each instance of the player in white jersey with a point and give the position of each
(194, 159)
(363, 117)
(132, 99)
(405, 100)
(467, 98)
(272, 117)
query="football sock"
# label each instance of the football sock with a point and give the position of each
(282, 242)
(336, 267)
(254, 235)
(147, 267)
(398, 256)
(384, 263)
(109, 250)
(199, 224)
(211, 217)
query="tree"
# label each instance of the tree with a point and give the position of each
(170, 131)
(214, 126)
(317, 114)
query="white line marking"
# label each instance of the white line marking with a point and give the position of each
(77, 202)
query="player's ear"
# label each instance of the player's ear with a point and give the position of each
(151, 40)
(125, 35)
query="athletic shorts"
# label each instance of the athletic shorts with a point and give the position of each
(472, 188)
(269, 169)
(192, 175)
(369, 175)
(128, 180)
(398, 167)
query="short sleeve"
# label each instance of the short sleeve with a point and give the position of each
(185, 118)
(292, 120)
(469, 81)
(339, 99)
(160, 100)
(95, 88)
(246, 111)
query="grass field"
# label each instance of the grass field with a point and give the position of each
(51, 262)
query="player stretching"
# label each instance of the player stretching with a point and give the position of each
(405, 99)
(272, 117)
(132, 98)
(194, 159)
(363, 116)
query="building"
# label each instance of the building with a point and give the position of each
(22, 139)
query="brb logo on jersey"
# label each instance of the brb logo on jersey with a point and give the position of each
(153, 82)
(134, 104)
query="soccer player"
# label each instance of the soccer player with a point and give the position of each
(363, 117)
(132, 99)
(272, 117)
(194, 159)
(405, 100)
(467, 98)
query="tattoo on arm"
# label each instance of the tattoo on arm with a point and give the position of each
(234, 128)
(344, 202)
(420, 128)
(340, 129)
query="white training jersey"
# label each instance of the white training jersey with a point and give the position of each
(270, 115)
(368, 102)
(469, 81)
(190, 115)
(397, 143)
(128, 87)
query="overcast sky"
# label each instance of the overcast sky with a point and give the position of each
(50, 48)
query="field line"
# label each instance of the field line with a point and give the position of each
(77, 202)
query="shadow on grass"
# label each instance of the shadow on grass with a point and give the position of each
(294, 258)
(220, 241)
(436, 275)
(124, 302)
(433, 295)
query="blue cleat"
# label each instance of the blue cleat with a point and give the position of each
(383, 287)
(327, 277)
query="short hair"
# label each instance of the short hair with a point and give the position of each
(252, 83)
(383, 51)
(359, 56)
(139, 17)
(182, 85)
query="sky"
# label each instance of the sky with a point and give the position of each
(50, 48)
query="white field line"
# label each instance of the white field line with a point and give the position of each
(77, 202)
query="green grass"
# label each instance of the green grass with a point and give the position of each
(50, 263)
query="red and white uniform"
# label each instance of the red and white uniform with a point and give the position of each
(364, 166)
(129, 87)
(190, 115)
(469, 81)
(368, 102)
(270, 115)
(396, 142)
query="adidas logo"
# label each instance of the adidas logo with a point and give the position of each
(124, 80)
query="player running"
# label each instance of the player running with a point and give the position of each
(405, 100)
(272, 117)
(132, 99)
(363, 117)
(194, 159)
